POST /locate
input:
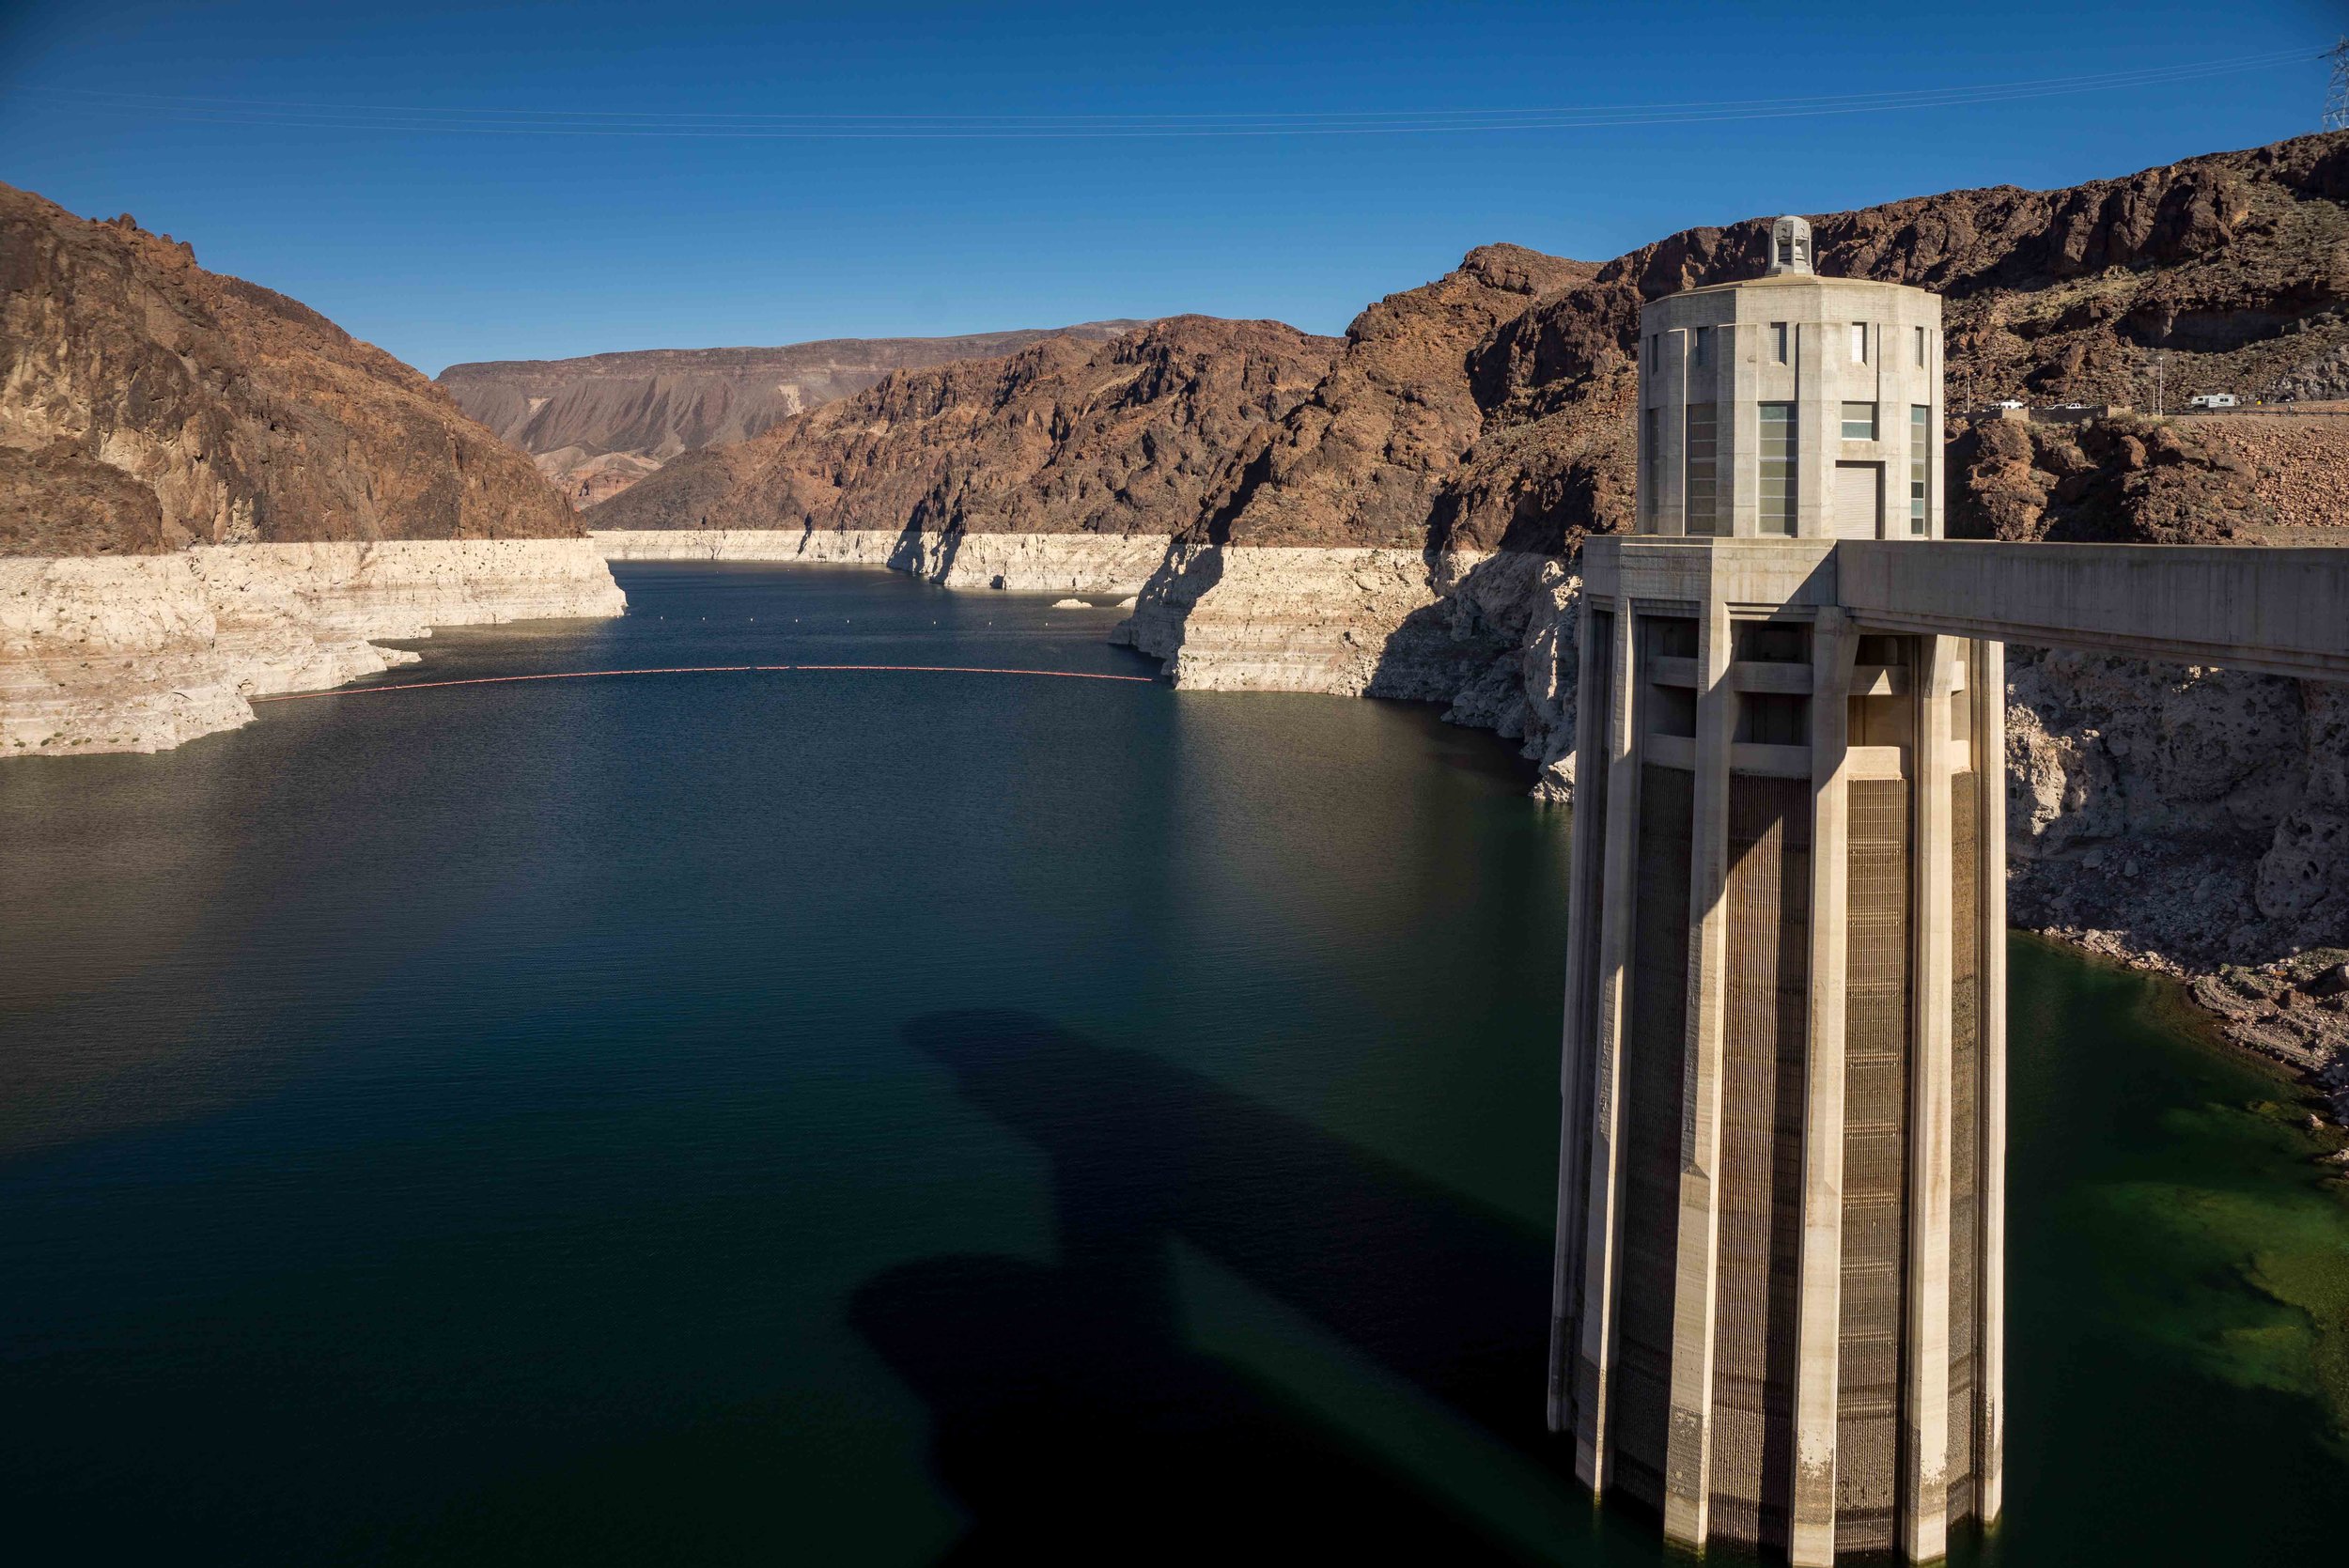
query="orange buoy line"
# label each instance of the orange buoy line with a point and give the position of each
(965, 670)
(697, 670)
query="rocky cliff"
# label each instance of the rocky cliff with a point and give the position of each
(208, 490)
(596, 425)
(138, 653)
(1066, 451)
(246, 417)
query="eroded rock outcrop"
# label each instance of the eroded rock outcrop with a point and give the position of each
(209, 491)
(138, 653)
(1321, 566)
(248, 416)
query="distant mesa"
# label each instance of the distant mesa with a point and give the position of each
(1129, 437)
(596, 425)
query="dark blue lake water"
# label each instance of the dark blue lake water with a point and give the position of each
(845, 1117)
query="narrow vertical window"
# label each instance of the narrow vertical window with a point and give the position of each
(1697, 493)
(1919, 462)
(1860, 422)
(1859, 342)
(1779, 341)
(1778, 468)
(1920, 348)
(1648, 446)
(1701, 345)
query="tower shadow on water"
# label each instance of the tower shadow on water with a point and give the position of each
(1072, 1415)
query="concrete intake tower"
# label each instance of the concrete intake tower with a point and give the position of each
(1779, 1293)
(1778, 1315)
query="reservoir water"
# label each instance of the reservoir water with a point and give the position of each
(800, 1116)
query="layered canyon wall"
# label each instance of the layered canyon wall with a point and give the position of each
(209, 492)
(598, 423)
(1065, 466)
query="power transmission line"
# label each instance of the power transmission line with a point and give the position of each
(819, 126)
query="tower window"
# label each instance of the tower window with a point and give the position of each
(1919, 462)
(1860, 422)
(1701, 345)
(1697, 493)
(1779, 336)
(1920, 348)
(1859, 342)
(1778, 468)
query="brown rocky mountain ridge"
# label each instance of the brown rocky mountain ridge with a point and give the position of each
(1064, 437)
(146, 404)
(596, 425)
(1490, 410)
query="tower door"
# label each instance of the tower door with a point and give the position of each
(1858, 501)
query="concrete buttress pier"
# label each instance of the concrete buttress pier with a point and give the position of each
(1779, 1291)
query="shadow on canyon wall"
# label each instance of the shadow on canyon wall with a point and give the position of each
(1071, 1415)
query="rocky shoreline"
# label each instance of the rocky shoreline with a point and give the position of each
(140, 653)
(1023, 563)
(2193, 822)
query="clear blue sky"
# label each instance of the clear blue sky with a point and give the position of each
(371, 160)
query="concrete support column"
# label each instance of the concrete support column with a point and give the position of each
(1593, 667)
(1925, 1403)
(1817, 441)
(1601, 1245)
(1819, 1327)
(1741, 467)
(1687, 1461)
(1990, 1373)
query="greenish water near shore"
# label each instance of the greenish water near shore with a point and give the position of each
(881, 1118)
(2177, 1316)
